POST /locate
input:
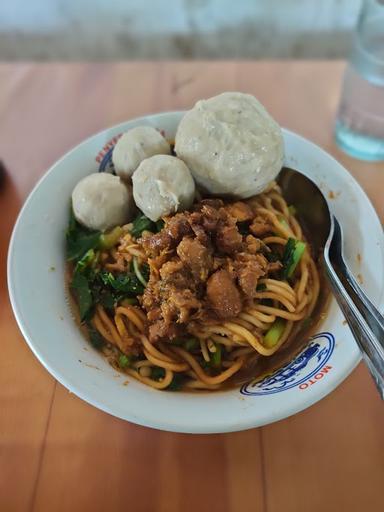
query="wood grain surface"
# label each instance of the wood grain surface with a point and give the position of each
(58, 453)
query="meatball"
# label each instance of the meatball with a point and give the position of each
(134, 146)
(231, 145)
(162, 185)
(102, 201)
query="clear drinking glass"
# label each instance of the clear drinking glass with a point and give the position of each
(359, 129)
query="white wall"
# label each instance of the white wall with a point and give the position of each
(108, 29)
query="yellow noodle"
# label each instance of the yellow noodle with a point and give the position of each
(161, 384)
(218, 379)
(132, 314)
(270, 295)
(175, 367)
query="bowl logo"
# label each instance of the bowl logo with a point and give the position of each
(309, 363)
(104, 156)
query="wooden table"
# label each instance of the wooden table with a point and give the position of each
(58, 453)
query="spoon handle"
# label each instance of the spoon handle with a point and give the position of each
(364, 320)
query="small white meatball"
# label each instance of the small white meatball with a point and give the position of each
(102, 201)
(231, 144)
(136, 145)
(162, 185)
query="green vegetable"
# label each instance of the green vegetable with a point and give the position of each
(283, 222)
(216, 356)
(79, 239)
(129, 301)
(272, 256)
(179, 342)
(243, 228)
(109, 240)
(81, 242)
(157, 373)
(140, 224)
(294, 249)
(191, 344)
(83, 294)
(261, 287)
(159, 225)
(124, 361)
(87, 260)
(123, 283)
(274, 333)
(138, 273)
(176, 383)
(292, 209)
(297, 254)
(97, 341)
(72, 224)
(206, 365)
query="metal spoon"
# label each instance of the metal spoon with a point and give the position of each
(364, 320)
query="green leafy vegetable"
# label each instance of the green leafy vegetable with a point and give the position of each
(216, 356)
(274, 333)
(97, 341)
(129, 301)
(83, 294)
(288, 253)
(87, 260)
(159, 225)
(292, 209)
(79, 244)
(297, 254)
(140, 224)
(272, 256)
(124, 283)
(124, 361)
(261, 287)
(109, 240)
(243, 228)
(176, 383)
(294, 249)
(283, 222)
(79, 239)
(72, 224)
(191, 344)
(177, 341)
(157, 373)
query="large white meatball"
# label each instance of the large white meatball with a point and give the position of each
(162, 185)
(134, 146)
(231, 144)
(102, 201)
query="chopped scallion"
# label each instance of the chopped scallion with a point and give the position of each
(124, 361)
(110, 239)
(191, 344)
(216, 356)
(274, 333)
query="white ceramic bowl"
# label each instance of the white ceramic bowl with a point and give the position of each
(36, 282)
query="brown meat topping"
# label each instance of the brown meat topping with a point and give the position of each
(223, 295)
(195, 256)
(249, 269)
(202, 267)
(260, 226)
(240, 211)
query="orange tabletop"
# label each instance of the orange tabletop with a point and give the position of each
(58, 453)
